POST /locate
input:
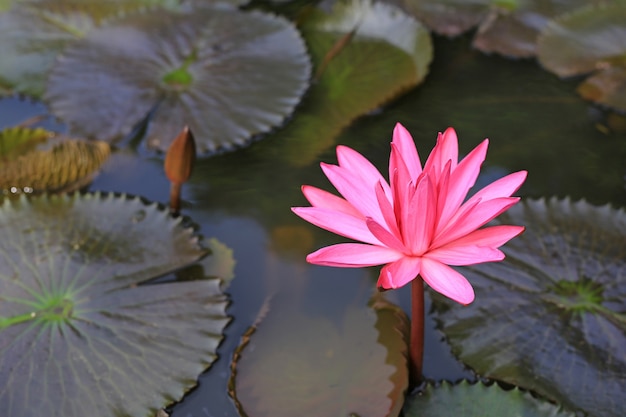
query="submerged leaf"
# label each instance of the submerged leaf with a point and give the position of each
(551, 317)
(226, 73)
(295, 364)
(478, 400)
(78, 335)
(67, 164)
(592, 39)
(367, 53)
(507, 27)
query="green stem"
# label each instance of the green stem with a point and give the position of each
(9, 321)
(416, 346)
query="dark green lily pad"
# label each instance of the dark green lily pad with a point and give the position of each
(35, 32)
(478, 400)
(507, 27)
(78, 335)
(590, 40)
(294, 364)
(366, 54)
(37, 160)
(226, 73)
(552, 316)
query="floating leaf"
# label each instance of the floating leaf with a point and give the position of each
(35, 32)
(478, 400)
(377, 52)
(551, 317)
(301, 365)
(66, 165)
(78, 335)
(592, 39)
(226, 73)
(508, 27)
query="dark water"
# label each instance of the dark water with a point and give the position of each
(534, 121)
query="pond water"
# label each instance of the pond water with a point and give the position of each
(534, 120)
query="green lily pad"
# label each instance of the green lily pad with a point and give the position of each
(507, 27)
(78, 335)
(35, 32)
(64, 165)
(592, 39)
(552, 316)
(478, 400)
(294, 364)
(366, 54)
(226, 73)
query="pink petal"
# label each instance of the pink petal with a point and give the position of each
(353, 255)
(476, 247)
(384, 236)
(447, 281)
(419, 218)
(465, 254)
(388, 212)
(352, 161)
(476, 215)
(462, 179)
(323, 199)
(399, 178)
(405, 146)
(337, 222)
(352, 187)
(399, 273)
(504, 187)
(494, 236)
(446, 149)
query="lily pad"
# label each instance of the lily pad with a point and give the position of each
(79, 335)
(294, 364)
(552, 316)
(366, 54)
(590, 40)
(507, 27)
(478, 400)
(65, 164)
(35, 32)
(226, 73)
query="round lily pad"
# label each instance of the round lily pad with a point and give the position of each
(227, 74)
(592, 39)
(79, 332)
(478, 400)
(64, 164)
(507, 27)
(552, 316)
(294, 364)
(35, 32)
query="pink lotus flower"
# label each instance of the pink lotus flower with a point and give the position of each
(418, 224)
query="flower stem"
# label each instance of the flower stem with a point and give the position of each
(416, 346)
(175, 198)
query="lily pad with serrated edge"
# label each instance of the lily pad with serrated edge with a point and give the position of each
(590, 40)
(227, 74)
(507, 27)
(478, 400)
(365, 54)
(37, 160)
(34, 33)
(551, 316)
(79, 335)
(294, 364)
